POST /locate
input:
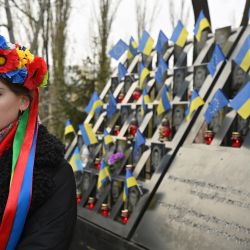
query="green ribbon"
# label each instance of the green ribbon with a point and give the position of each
(18, 139)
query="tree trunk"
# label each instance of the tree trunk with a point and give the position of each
(9, 21)
(244, 21)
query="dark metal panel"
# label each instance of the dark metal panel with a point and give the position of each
(91, 237)
(202, 203)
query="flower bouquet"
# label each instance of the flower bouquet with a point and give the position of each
(114, 161)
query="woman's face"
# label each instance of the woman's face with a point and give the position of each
(10, 104)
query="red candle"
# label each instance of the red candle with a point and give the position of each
(132, 129)
(208, 137)
(91, 203)
(120, 97)
(166, 131)
(104, 210)
(124, 216)
(78, 198)
(97, 163)
(136, 94)
(116, 130)
(236, 140)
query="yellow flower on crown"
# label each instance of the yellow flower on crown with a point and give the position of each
(24, 57)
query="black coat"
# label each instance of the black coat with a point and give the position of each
(52, 215)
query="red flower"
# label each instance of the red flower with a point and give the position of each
(36, 72)
(8, 60)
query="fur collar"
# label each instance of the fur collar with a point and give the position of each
(49, 154)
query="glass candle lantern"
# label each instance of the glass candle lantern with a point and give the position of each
(208, 137)
(78, 197)
(91, 203)
(105, 210)
(236, 140)
(136, 94)
(165, 131)
(120, 98)
(116, 130)
(97, 163)
(124, 216)
(132, 128)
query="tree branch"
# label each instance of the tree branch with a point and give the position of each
(4, 25)
(23, 11)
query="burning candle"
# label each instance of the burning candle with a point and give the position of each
(104, 210)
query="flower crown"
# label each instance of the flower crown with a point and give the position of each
(19, 66)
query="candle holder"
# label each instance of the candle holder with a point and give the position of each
(208, 136)
(132, 128)
(236, 140)
(105, 210)
(136, 94)
(91, 203)
(97, 163)
(124, 216)
(116, 130)
(78, 197)
(120, 97)
(165, 131)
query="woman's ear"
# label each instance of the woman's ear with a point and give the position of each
(24, 103)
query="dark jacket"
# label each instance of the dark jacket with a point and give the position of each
(52, 215)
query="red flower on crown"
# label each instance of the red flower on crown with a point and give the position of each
(36, 71)
(8, 60)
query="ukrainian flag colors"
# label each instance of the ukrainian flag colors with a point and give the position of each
(104, 174)
(180, 34)
(243, 58)
(201, 24)
(143, 73)
(68, 128)
(132, 50)
(130, 182)
(107, 139)
(75, 160)
(195, 102)
(88, 134)
(94, 105)
(241, 102)
(145, 100)
(164, 103)
(146, 44)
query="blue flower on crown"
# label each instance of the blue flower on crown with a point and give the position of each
(3, 43)
(16, 76)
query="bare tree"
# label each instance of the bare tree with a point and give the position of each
(10, 25)
(183, 13)
(37, 21)
(144, 18)
(59, 20)
(107, 10)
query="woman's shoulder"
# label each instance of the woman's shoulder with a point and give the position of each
(49, 164)
(49, 149)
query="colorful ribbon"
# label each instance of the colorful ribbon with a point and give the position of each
(20, 191)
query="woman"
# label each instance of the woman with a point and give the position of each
(37, 187)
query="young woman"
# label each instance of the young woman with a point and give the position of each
(37, 187)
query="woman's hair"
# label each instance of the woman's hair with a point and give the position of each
(17, 89)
